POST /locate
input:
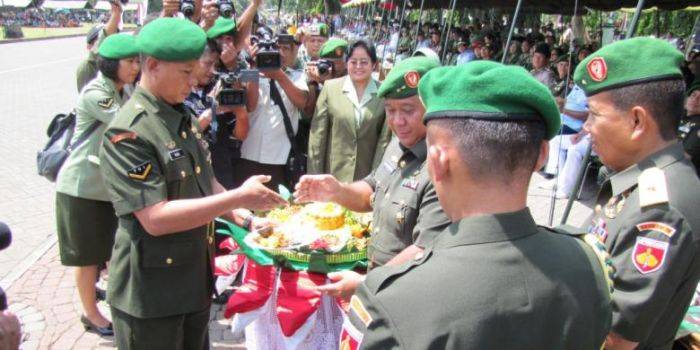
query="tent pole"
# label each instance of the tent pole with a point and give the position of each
(635, 20)
(447, 34)
(420, 22)
(512, 29)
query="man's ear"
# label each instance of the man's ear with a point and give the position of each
(438, 163)
(641, 122)
(542, 157)
(152, 64)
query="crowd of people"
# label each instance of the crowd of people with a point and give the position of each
(39, 17)
(441, 151)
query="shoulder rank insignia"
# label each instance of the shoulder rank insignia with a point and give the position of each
(106, 103)
(358, 308)
(649, 254)
(129, 135)
(665, 229)
(141, 171)
(652, 187)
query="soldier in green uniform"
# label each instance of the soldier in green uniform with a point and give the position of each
(159, 178)
(689, 131)
(647, 212)
(493, 279)
(87, 70)
(407, 215)
(514, 53)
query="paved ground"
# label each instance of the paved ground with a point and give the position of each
(38, 82)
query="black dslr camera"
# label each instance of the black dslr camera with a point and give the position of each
(230, 95)
(187, 8)
(324, 66)
(226, 8)
(5, 240)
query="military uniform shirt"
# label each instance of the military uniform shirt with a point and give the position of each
(406, 207)
(80, 175)
(647, 217)
(154, 152)
(488, 282)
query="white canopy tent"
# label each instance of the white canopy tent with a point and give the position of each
(15, 3)
(64, 4)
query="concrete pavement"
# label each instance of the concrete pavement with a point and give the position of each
(38, 81)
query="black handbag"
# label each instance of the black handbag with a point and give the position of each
(60, 131)
(296, 162)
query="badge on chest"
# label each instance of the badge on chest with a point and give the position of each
(176, 154)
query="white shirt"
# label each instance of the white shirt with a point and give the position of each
(351, 93)
(267, 140)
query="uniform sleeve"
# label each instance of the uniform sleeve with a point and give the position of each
(369, 320)
(652, 258)
(431, 219)
(99, 104)
(132, 172)
(318, 139)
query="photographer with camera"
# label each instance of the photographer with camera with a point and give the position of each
(330, 65)
(225, 124)
(10, 330)
(87, 70)
(270, 148)
(315, 35)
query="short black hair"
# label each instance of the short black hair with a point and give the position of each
(371, 50)
(108, 67)
(664, 99)
(505, 151)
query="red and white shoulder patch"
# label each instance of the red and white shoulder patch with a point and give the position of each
(649, 254)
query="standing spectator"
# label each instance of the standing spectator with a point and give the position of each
(348, 132)
(466, 54)
(540, 65)
(86, 220)
(525, 58)
(514, 52)
(266, 149)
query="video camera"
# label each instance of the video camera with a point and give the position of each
(187, 8)
(230, 95)
(225, 8)
(268, 56)
(324, 66)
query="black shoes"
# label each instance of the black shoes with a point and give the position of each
(90, 327)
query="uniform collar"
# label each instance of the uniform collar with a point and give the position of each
(171, 116)
(488, 229)
(628, 178)
(419, 150)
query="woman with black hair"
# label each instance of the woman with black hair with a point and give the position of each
(85, 218)
(348, 132)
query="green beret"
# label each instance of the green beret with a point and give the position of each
(628, 62)
(172, 39)
(222, 26)
(333, 48)
(118, 46)
(402, 81)
(488, 90)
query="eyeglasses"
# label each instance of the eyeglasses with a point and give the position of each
(359, 63)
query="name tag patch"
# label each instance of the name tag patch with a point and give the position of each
(176, 154)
